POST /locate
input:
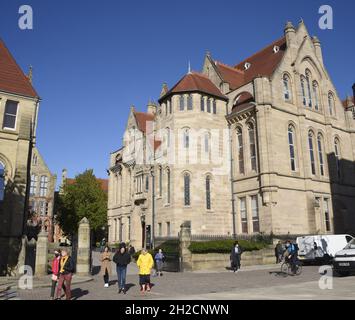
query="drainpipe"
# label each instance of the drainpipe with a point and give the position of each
(232, 182)
(153, 207)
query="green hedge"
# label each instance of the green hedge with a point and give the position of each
(225, 246)
(168, 247)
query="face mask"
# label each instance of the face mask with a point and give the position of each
(57, 255)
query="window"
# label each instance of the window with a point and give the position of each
(291, 143)
(308, 79)
(43, 208)
(326, 214)
(240, 151)
(186, 139)
(169, 106)
(160, 182)
(286, 87)
(315, 95)
(189, 102)
(34, 160)
(337, 156)
(43, 186)
(147, 183)
(252, 146)
(129, 227)
(182, 103)
(187, 201)
(311, 152)
(168, 185)
(120, 230)
(208, 105)
(207, 143)
(208, 193)
(244, 215)
(214, 107)
(10, 114)
(160, 231)
(303, 90)
(168, 231)
(255, 213)
(33, 186)
(202, 103)
(2, 182)
(320, 154)
(331, 104)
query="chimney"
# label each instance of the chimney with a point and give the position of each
(318, 48)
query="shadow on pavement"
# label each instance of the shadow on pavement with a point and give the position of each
(78, 293)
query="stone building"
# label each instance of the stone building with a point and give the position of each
(263, 146)
(42, 189)
(19, 105)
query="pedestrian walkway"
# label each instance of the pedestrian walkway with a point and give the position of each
(242, 269)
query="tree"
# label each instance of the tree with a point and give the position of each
(82, 198)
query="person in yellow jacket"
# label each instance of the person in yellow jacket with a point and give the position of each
(145, 264)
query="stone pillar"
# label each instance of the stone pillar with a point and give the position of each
(22, 255)
(83, 256)
(185, 240)
(41, 268)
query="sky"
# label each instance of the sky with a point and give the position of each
(93, 59)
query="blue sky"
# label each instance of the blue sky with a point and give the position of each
(93, 59)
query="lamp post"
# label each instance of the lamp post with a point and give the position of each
(153, 207)
(143, 230)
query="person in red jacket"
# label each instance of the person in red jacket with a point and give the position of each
(55, 271)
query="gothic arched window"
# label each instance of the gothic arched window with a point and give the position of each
(168, 185)
(240, 150)
(252, 146)
(187, 181)
(316, 95)
(182, 102)
(292, 147)
(337, 156)
(320, 154)
(308, 80)
(311, 152)
(189, 102)
(286, 87)
(331, 103)
(208, 193)
(303, 90)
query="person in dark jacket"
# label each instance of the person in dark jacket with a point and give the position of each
(122, 259)
(279, 250)
(66, 269)
(235, 256)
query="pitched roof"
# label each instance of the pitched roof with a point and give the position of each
(194, 81)
(142, 119)
(262, 63)
(12, 78)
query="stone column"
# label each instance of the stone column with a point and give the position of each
(41, 268)
(83, 256)
(185, 240)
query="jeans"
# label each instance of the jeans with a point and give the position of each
(121, 276)
(106, 277)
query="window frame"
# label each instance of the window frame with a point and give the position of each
(291, 132)
(11, 115)
(187, 189)
(311, 152)
(240, 149)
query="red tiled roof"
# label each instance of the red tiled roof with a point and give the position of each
(142, 119)
(262, 63)
(103, 183)
(195, 82)
(12, 79)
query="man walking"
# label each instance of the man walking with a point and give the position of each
(235, 256)
(122, 259)
(279, 252)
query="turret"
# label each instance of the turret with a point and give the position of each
(318, 48)
(151, 107)
(290, 34)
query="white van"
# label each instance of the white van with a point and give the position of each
(323, 248)
(344, 260)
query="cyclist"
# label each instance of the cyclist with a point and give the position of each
(291, 254)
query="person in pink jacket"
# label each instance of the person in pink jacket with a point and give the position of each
(55, 271)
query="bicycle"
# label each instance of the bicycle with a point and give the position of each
(286, 268)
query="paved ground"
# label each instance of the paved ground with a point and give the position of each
(261, 282)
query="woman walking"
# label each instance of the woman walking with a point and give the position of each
(235, 256)
(106, 265)
(55, 272)
(145, 264)
(122, 259)
(159, 260)
(66, 269)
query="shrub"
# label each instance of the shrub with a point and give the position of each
(168, 247)
(225, 246)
